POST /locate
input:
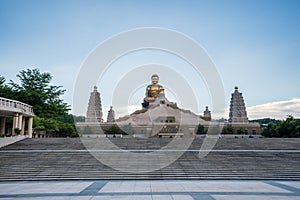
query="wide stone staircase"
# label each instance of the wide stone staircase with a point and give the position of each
(231, 158)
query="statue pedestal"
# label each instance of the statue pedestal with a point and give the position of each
(161, 99)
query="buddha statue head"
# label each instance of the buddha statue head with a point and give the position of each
(154, 79)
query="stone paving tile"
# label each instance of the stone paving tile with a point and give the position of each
(42, 187)
(114, 197)
(144, 197)
(151, 190)
(190, 186)
(51, 198)
(254, 197)
(172, 197)
(291, 183)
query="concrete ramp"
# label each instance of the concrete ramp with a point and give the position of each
(10, 140)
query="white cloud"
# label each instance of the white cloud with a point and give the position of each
(121, 111)
(277, 109)
(220, 115)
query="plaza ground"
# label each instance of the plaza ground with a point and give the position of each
(152, 190)
(236, 168)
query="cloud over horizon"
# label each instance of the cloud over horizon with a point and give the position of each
(277, 109)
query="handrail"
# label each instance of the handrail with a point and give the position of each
(15, 106)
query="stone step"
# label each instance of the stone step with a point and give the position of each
(19, 162)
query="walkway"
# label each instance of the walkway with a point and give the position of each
(152, 190)
(10, 140)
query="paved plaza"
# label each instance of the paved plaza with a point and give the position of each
(152, 190)
(236, 168)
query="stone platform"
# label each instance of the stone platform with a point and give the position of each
(231, 158)
(151, 190)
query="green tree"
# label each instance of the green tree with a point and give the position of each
(240, 131)
(264, 121)
(2, 80)
(44, 124)
(113, 130)
(78, 118)
(269, 131)
(201, 130)
(35, 89)
(5, 90)
(227, 130)
(67, 130)
(290, 127)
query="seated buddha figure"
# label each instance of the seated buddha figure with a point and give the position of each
(153, 91)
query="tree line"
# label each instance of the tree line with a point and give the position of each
(35, 88)
(288, 128)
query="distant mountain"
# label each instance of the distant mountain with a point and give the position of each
(265, 121)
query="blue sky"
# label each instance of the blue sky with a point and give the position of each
(254, 44)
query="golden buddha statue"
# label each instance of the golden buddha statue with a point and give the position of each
(154, 90)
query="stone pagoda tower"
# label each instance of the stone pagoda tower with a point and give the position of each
(94, 111)
(111, 115)
(207, 114)
(237, 112)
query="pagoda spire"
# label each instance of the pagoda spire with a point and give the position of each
(111, 115)
(237, 112)
(207, 114)
(94, 111)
